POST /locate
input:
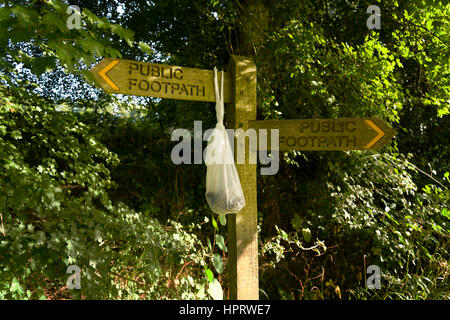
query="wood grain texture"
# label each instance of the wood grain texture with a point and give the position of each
(328, 134)
(158, 80)
(242, 227)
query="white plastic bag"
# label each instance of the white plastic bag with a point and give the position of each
(223, 188)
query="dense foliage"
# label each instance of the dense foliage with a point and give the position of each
(86, 178)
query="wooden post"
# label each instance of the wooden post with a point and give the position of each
(242, 227)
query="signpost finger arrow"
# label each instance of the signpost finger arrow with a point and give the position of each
(328, 134)
(158, 80)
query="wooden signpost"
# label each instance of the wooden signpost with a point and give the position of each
(242, 227)
(164, 81)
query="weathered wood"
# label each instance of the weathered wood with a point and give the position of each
(328, 134)
(242, 227)
(158, 80)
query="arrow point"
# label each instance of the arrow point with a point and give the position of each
(103, 72)
(378, 137)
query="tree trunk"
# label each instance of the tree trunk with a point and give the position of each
(253, 22)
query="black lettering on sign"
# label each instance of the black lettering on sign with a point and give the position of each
(155, 71)
(202, 90)
(145, 70)
(305, 142)
(175, 86)
(164, 74)
(192, 89)
(327, 126)
(322, 140)
(331, 142)
(314, 140)
(292, 139)
(156, 86)
(166, 84)
(131, 82)
(350, 126)
(315, 126)
(351, 141)
(319, 142)
(184, 89)
(133, 67)
(179, 77)
(304, 126)
(144, 85)
(337, 127)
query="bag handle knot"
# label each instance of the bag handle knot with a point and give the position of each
(219, 100)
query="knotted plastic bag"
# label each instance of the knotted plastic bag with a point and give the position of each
(223, 188)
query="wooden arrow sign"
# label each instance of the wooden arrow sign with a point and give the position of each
(158, 80)
(328, 134)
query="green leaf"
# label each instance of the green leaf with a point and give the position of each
(145, 48)
(214, 223)
(112, 53)
(306, 234)
(88, 76)
(223, 219)
(208, 242)
(4, 13)
(209, 274)
(296, 222)
(16, 135)
(53, 22)
(15, 286)
(217, 263)
(98, 236)
(26, 16)
(221, 242)
(215, 290)
(446, 213)
(283, 234)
